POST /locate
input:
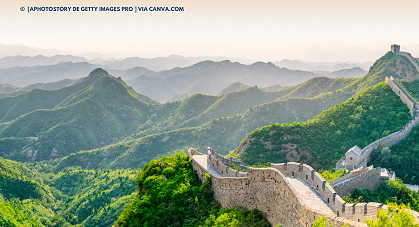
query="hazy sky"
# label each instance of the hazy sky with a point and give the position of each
(260, 30)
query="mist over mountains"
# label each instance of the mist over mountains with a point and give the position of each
(206, 77)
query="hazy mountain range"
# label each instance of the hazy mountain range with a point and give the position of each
(320, 66)
(206, 77)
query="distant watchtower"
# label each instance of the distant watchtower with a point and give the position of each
(395, 48)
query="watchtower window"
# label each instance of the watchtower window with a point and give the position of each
(350, 158)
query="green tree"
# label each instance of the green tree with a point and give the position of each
(394, 216)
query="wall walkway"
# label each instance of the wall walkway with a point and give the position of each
(291, 193)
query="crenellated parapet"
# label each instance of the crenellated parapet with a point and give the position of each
(404, 95)
(353, 173)
(270, 190)
(226, 161)
(369, 179)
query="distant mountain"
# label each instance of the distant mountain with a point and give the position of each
(231, 88)
(14, 50)
(190, 123)
(275, 87)
(10, 90)
(347, 73)
(24, 76)
(141, 81)
(320, 66)
(164, 63)
(206, 87)
(206, 77)
(179, 97)
(85, 115)
(130, 74)
(179, 80)
(9, 62)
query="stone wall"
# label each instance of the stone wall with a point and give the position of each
(340, 164)
(220, 164)
(268, 190)
(368, 180)
(226, 161)
(329, 194)
(353, 173)
(404, 95)
(395, 137)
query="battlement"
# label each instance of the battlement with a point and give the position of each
(269, 190)
(404, 95)
(226, 161)
(395, 48)
(369, 179)
(353, 173)
(224, 169)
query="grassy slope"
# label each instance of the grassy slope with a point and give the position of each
(232, 88)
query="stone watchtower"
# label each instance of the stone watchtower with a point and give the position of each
(395, 48)
(352, 157)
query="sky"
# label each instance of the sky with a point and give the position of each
(260, 30)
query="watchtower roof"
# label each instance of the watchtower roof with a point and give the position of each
(356, 150)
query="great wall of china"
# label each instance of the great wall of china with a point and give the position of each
(294, 193)
(291, 193)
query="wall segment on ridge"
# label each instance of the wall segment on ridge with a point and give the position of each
(393, 138)
(268, 190)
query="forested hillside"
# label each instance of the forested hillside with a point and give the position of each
(403, 158)
(171, 194)
(49, 124)
(321, 142)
